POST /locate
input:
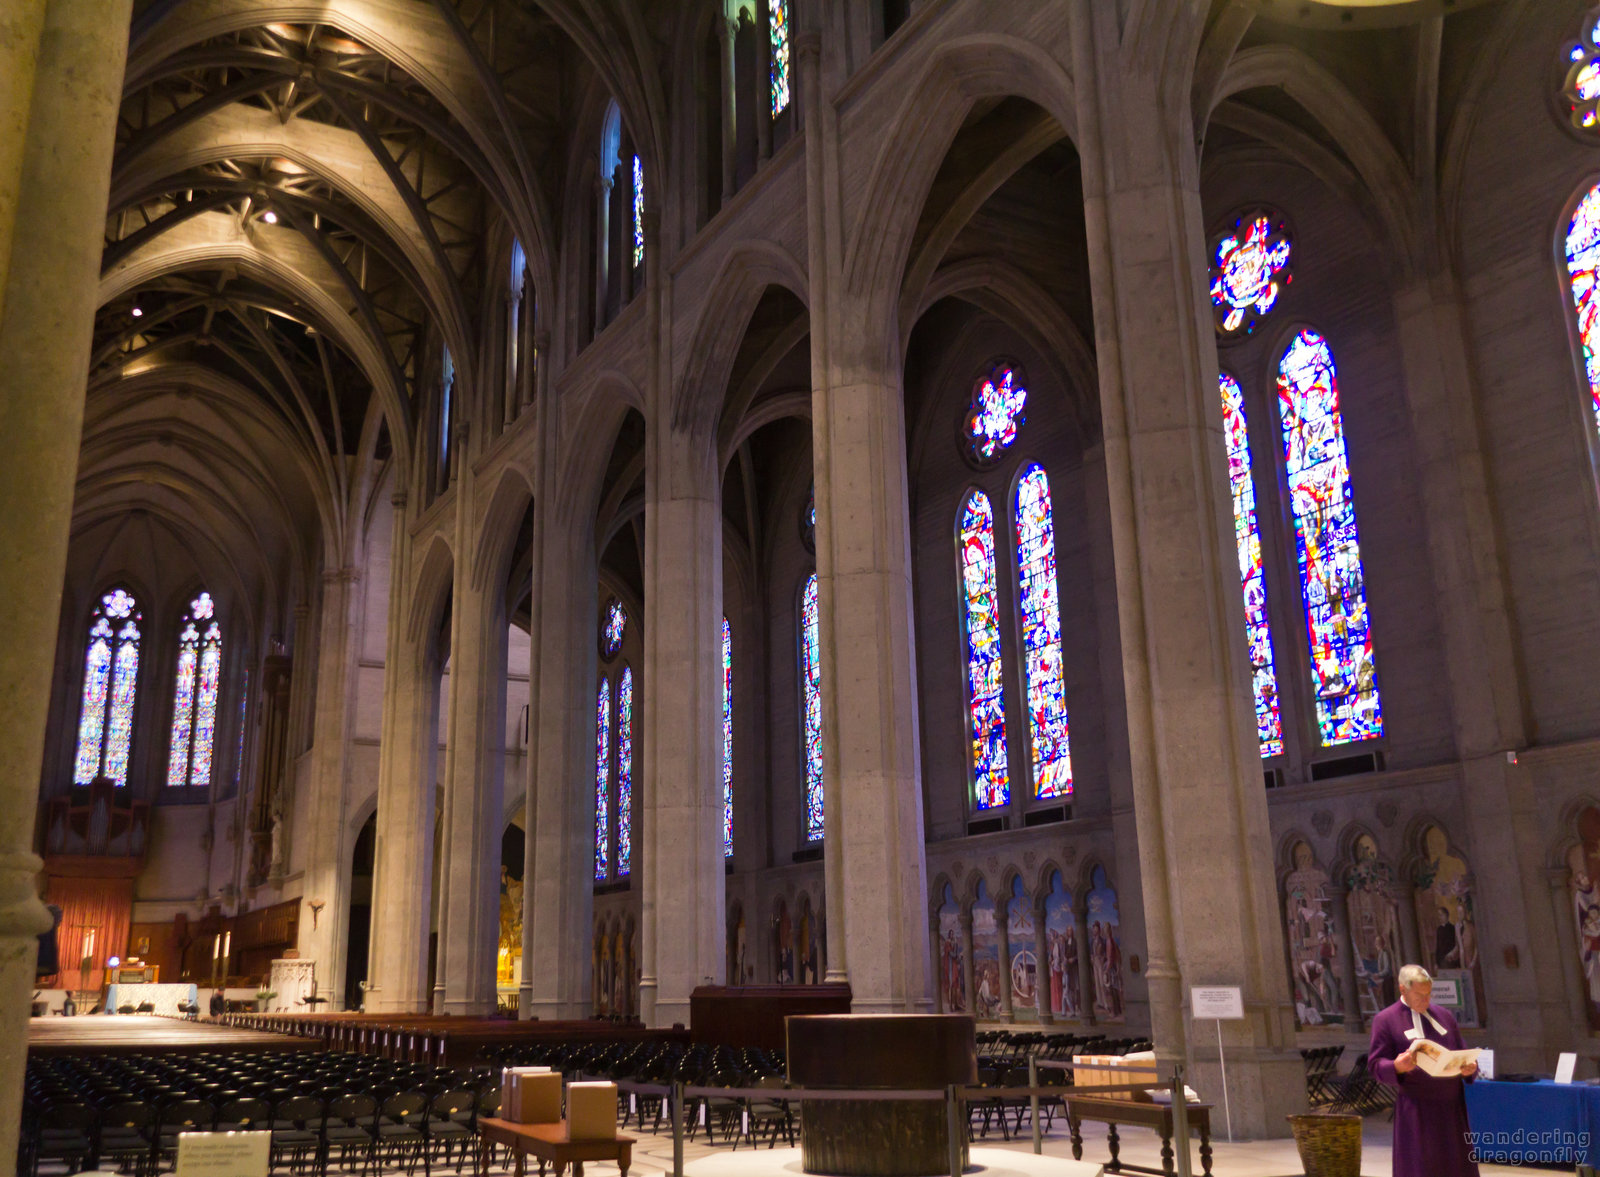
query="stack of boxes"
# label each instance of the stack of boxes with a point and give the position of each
(532, 1095)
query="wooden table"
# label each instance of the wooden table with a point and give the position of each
(1112, 1112)
(548, 1143)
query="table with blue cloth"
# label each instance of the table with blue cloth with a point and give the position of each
(1543, 1123)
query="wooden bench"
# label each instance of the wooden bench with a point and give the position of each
(548, 1143)
(1112, 1112)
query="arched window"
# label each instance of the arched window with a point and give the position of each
(625, 772)
(194, 707)
(1247, 539)
(638, 212)
(727, 740)
(1583, 266)
(519, 284)
(991, 783)
(811, 696)
(1343, 673)
(602, 782)
(1041, 637)
(778, 22)
(110, 681)
(447, 385)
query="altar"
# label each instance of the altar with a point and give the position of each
(165, 998)
(293, 981)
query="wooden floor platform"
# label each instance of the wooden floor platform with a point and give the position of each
(149, 1034)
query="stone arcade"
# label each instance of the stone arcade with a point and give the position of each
(546, 504)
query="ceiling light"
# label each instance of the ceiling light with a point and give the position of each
(270, 217)
(137, 312)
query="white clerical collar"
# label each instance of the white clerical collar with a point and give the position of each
(1416, 1022)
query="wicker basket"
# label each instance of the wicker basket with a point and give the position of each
(1329, 1143)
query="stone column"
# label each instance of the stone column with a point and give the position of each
(684, 874)
(1041, 965)
(1191, 733)
(1566, 938)
(873, 845)
(1003, 921)
(602, 248)
(1085, 967)
(763, 118)
(326, 879)
(558, 871)
(1350, 985)
(730, 103)
(475, 792)
(968, 970)
(402, 883)
(57, 114)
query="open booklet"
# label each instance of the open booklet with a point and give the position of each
(1435, 1060)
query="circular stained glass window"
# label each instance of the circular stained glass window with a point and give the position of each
(616, 622)
(1580, 86)
(1249, 269)
(994, 414)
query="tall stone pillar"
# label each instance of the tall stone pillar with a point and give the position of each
(683, 868)
(1041, 964)
(1002, 925)
(475, 792)
(1210, 918)
(1086, 991)
(326, 889)
(730, 103)
(968, 972)
(1559, 880)
(402, 883)
(57, 115)
(873, 845)
(558, 892)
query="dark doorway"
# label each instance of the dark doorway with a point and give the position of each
(355, 970)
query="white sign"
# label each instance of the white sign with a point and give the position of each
(1565, 1065)
(1486, 1064)
(1223, 1002)
(223, 1154)
(1446, 992)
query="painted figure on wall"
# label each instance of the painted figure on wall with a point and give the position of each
(1024, 963)
(952, 956)
(1374, 928)
(805, 945)
(1061, 950)
(985, 956)
(1584, 862)
(1448, 926)
(1105, 947)
(1314, 964)
(783, 946)
(619, 976)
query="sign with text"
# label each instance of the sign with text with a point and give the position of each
(223, 1154)
(1222, 1002)
(1446, 992)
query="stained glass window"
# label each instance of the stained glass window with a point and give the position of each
(727, 740)
(616, 624)
(244, 717)
(1247, 538)
(778, 19)
(1249, 268)
(986, 712)
(638, 211)
(625, 772)
(110, 682)
(1041, 637)
(1343, 673)
(1581, 87)
(811, 690)
(808, 521)
(602, 781)
(447, 385)
(1583, 266)
(994, 414)
(194, 708)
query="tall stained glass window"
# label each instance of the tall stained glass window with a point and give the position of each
(986, 713)
(1247, 538)
(625, 772)
(1041, 637)
(602, 781)
(194, 707)
(1343, 673)
(811, 691)
(727, 740)
(638, 211)
(447, 387)
(110, 681)
(1583, 264)
(778, 20)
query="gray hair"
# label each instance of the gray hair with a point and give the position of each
(1414, 974)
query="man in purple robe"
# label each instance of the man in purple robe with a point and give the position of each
(1430, 1115)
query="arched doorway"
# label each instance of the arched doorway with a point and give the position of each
(359, 930)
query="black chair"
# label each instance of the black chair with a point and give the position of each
(452, 1124)
(244, 1114)
(351, 1127)
(62, 1132)
(185, 1115)
(297, 1133)
(128, 1137)
(402, 1130)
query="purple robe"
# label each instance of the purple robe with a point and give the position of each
(1430, 1115)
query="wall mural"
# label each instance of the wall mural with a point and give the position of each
(985, 956)
(1584, 861)
(1061, 951)
(1447, 925)
(739, 967)
(1105, 947)
(807, 962)
(1374, 928)
(1024, 961)
(1314, 964)
(952, 956)
(783, 946)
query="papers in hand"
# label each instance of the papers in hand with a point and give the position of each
(1435, 1060)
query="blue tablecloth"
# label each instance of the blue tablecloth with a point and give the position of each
(1542, 1123)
